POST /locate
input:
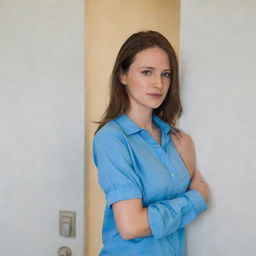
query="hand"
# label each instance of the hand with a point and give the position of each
(185, 146)
(200, 185)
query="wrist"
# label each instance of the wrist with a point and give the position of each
(198, 201)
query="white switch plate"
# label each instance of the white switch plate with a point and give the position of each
(70, 218)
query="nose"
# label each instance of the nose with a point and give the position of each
(157, 81)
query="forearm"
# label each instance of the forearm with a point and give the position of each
(142, 228)
(162, 218)
(138, 225)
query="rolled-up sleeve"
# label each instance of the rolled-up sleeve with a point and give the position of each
(116, 175)
(166, 216)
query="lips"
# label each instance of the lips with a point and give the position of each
(155, 95)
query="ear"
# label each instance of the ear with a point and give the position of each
(123, 78)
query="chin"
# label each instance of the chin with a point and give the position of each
(154, 106)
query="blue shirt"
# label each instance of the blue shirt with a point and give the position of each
(131, 164)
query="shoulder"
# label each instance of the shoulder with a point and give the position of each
(110, 141)
(110, 133)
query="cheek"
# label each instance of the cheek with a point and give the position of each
(167, 86)
(137, 85)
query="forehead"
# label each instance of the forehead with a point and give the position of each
(155, 56)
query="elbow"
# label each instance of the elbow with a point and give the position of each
(127, 233)
(131, 224)
(126, 236)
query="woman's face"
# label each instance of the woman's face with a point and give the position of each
(148, 78)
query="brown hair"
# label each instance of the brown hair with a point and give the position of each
(171, 108)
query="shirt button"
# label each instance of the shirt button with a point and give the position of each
(172, 174)
(142, 131)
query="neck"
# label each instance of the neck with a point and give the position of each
(143, 118)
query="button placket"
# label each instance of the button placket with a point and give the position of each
(160, 152)
(162, 155)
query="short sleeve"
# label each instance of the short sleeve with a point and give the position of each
(116, 175)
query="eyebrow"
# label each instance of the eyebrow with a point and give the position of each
(167, 69)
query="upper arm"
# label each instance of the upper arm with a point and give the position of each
(120, 184)
(116, 174)
(186, 149)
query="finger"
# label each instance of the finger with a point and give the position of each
(180, 132)
(176, 133)
(185, 136)
(175, 141)
(175, 138)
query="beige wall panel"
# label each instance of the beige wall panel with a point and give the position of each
(108, 24)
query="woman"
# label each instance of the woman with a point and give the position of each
(146, 167)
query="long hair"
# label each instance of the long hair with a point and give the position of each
(171, 108)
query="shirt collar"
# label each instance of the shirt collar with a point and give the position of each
(130, 127)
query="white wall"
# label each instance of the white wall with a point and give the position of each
(41, 123)
(218, 60)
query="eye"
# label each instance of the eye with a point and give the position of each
(167, 74)
(146, 72)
